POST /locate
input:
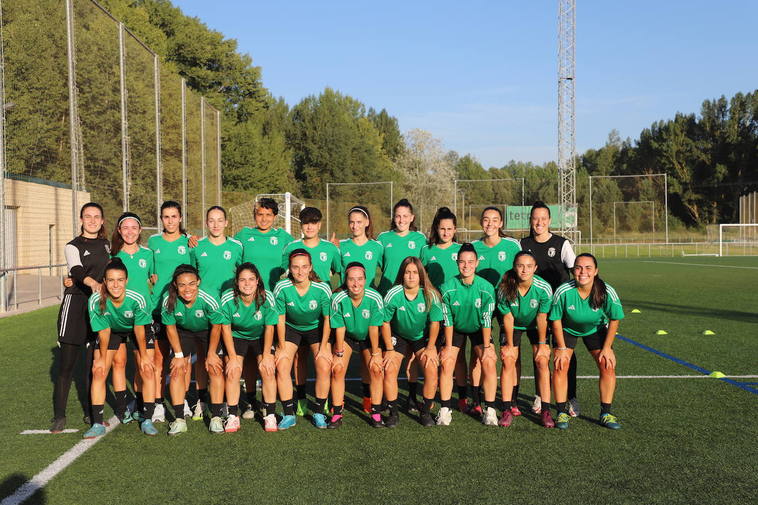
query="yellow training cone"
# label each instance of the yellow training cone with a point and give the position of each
(708, 332)
(717, 375)
(661, 332)
(636, 311)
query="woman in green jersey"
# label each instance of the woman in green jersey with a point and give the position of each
(412, 315)
(468, 302)
(191, 318)
(440, 258)
(249, 316)
(119, 315)
(216, 257)
(586, 308)
(303, 305)
(326, 261)
(496, 252)
(524, 300)
(362, 247)
(125, 245)
(170, 249)
(356, 316)
(401, 241)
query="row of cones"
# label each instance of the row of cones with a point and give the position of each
(664, 332)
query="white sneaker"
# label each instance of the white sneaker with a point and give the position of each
(187, 409)
(249, 413)
(269, 423)
(490, 417)
(159, 414)
(444, 417)
(574, 407)
(197, 413)
(537, 405)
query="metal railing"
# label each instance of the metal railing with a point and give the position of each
(32, 286)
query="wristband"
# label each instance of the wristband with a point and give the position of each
(487, 346)
(541, 343)
(178, 354)
(561, 348)
(375, 353)
(339, 354)
(388, 350)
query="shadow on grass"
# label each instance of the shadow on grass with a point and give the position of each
(689, 310)
(13, 482)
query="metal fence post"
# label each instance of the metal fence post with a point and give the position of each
(202, 160)
(124, 123)
(158, 147)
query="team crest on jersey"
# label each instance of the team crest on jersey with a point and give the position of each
(128, 314)
(365, 313)
(199, 313)
(142, 263)
(454, 256)
(478, 303)
(533, 304)
(322, 256)
(181, 249)
(227, 255)
(258, 315)
(368, 255)
(274, 240)
(312, 304)
(551, 252)
(421, 307)
(411, 245)
(501, 255)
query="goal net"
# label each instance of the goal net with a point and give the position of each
(738, 239)
(289, 209)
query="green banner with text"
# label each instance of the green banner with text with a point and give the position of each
(517, 217)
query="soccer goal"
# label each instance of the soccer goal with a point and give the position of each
(289, 209)
(738, 239)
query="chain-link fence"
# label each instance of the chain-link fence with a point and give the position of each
(88, 108)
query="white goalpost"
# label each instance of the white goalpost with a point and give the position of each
(289, 208)
(738, 239)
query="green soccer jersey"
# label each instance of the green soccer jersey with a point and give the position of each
(441, 264)
(496, 260)
(302, 312)
(396, 249)
(356, 320)
(410, 319)
(248, 321)
(140, 267)
(199, 316)
(468, 307)
(264, 250)
(578, 317)
(217, 264)
(537, 300)
(132, 312)
(369, 255)
(168, 256)
(325, 257)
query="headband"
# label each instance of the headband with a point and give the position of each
(128, 215)
(357, 209)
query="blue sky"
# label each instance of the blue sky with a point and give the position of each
(482, 76)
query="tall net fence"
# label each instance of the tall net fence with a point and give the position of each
(342, 196)
(91, 111)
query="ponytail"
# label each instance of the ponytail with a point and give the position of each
(508, 287)
(599, 291)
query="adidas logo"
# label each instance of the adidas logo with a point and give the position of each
(290, 304)
(433, 258)
(389, 245)
(251, 239)
(86, 253)
(401, 308)
(347, 255)
(236, 314)
(348, 315)
(571, 307)
(179, 314)
(456, 304)
(157, 251)
(481, 258)
(204, 254)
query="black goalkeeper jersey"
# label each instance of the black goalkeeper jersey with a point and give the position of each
(554, 258)
(86, 257)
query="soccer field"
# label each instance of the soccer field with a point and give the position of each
(686, 438)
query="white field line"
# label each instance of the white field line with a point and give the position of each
(41, 479)
(698, 264)
(701, 376)
(45, 432)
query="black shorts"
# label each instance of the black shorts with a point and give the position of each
(459, 339)
(402, 345)
(243, 347)
(593, 342)
(357, 345)
(532, 334)
(116, 339)
(300, 337)
(159, 329)
(189, 340)
(73, 321)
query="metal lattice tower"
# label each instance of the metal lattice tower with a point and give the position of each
(566, 113)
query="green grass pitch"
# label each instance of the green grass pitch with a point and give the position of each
(683, 440)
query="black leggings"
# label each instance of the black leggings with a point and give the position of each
(68, 355)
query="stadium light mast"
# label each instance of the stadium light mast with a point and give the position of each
(567, 115)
